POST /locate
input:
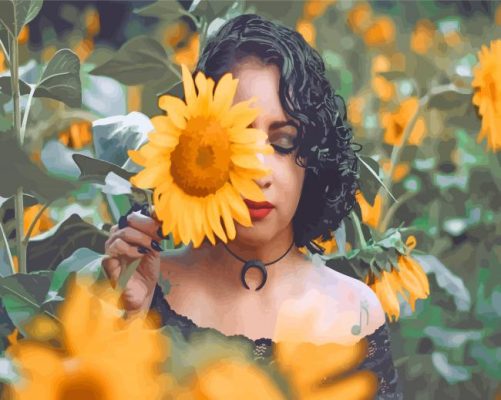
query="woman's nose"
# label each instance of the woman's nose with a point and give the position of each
(265, 181)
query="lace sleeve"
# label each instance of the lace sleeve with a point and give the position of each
(380, 361)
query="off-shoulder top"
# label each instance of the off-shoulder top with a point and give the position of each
(379, 358)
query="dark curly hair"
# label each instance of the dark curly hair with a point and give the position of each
(324, 137)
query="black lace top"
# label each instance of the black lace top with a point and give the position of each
(378, 360)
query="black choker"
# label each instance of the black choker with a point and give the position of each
(256, 264)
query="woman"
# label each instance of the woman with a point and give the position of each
(310, 190)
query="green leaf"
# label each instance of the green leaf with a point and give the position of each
(168, 11)
(140, 60)
(449, 99)
(94, 170)
(211, 9)
(14, 14)
(370, 180)
(61, 79)
(451, 283)
(5, 86)
(23, 172)
(50, 248)
(393, 240)
(394, 75)
(452, 373)
(23, 295)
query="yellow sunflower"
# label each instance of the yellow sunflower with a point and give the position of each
(201, 159)
(487, 97)
(407, 278)
(101, 355)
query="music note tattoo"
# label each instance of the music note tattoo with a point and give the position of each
(357, 328)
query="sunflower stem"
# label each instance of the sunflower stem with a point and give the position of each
(18, 200)
(358, 229)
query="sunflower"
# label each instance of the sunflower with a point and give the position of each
(396, 122)
(99, 356)
(201, 159)
(371, 214)
(407, 278)
(487, 97)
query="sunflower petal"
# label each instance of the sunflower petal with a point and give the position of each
(163, 140)
(188, 85)
(238, 206)
(164, 125)
(247, 136)
(225, 210)
(247, 161)
(150, 177)
(176, 110)
(214, 218)
(225, 92)
(241, 115)
(247, 188)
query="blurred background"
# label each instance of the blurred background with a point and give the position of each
(384, 57)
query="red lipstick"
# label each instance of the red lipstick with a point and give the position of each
(258, 210)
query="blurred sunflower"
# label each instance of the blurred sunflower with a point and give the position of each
(201, 159)
(3, 66)
(487, 97)
(400, 172)
(307, 31)
(359, 17)
(316, 8)
(395, 124)
(407, 278)
(380, 32)
(78, 135)
(99, 356)
(383, 88)
(371, 214)
(356, 105)
(188, 54)
(422, 36)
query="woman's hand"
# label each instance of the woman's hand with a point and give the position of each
(135, 237)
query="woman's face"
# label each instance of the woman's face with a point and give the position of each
(282, 188)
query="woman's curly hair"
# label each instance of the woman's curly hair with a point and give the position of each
(324, 137)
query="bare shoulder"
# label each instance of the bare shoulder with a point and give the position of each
(350, 305)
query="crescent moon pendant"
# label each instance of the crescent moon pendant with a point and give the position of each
(254, 264)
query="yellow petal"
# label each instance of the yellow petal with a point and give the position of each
(224, 208)
(238, 206)
(164, 125)
(207, 226)
(215, 217)
(188, 85)
(247, 136)
(163, 140)
(151, 176)
(225, 92)
(176, 110)
(247, 188)
(247, 161)
(241, 115)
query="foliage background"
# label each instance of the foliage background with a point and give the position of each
(448, 184)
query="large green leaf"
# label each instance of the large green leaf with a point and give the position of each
(370, 182)
(94, 170)
(140, 60)
(14, 14)
(450, 98)
(5, 86)
(23, 172)
(61, 79)
(451, 283)
(23, 295)
(50, 248)
(166, 10)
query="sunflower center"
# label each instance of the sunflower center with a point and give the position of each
(81, 386)
(200, 162)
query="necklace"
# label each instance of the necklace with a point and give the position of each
(256, 264)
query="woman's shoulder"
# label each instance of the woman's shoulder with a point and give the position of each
(348, 303)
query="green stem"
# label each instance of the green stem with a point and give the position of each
(18, 201)
(26, 112)
(358, 229)
(6, 244)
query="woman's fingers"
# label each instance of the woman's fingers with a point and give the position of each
(145, 224)
(136, 238)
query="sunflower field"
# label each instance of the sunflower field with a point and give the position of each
(82, 85)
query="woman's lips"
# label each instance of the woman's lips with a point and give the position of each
(258, 210)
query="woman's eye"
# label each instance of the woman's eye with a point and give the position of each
(284, 144)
